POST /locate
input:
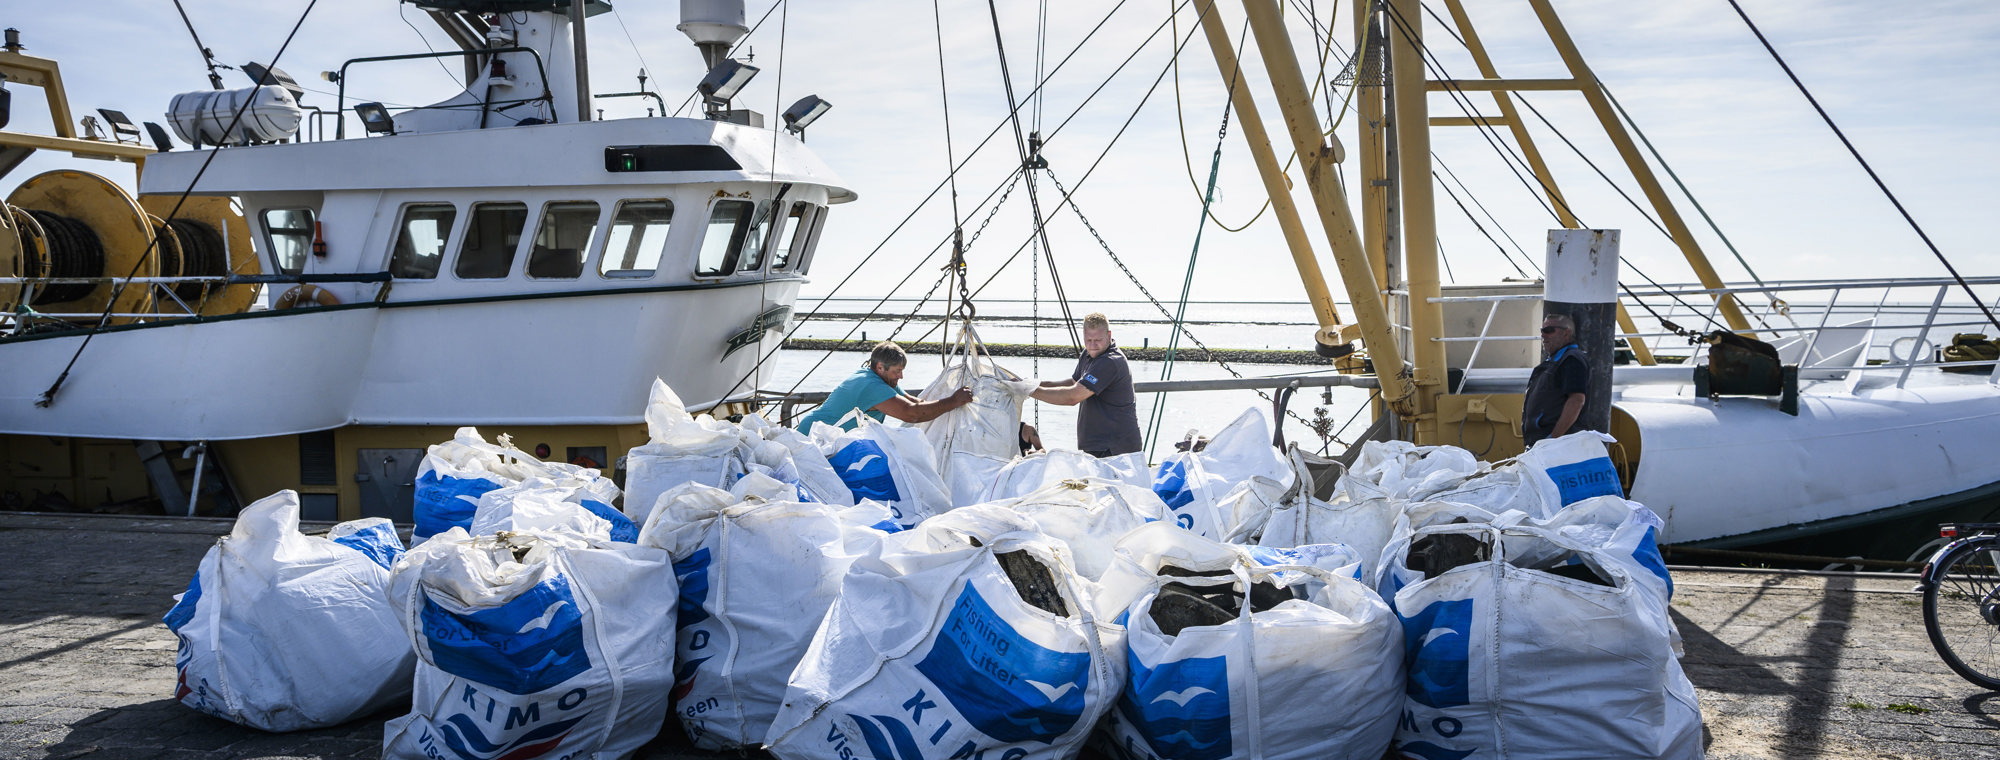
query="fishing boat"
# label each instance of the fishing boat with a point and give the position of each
(305, 299)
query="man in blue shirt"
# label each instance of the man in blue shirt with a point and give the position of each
(1107, 415)
(1556, 387)
(873, 390)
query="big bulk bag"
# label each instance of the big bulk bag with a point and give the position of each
(1554, 660)
(891, 465)
(757, 571)
(1031, 472)
(680, 448)
(565, 505)
(967, 637)
(455, 473)
(1089, 516)
(1194, 483)
(973, 442)
(281, 631)
(533, 645)
(1234, 658)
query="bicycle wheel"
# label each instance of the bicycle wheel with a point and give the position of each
(1962, 611)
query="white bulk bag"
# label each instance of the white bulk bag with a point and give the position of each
(891, 465)
(1405, 470)
(931, 652)
(808, 464)
(1194, 483)
(680, 449)
(974, 442)
(1031, 472)
(555, 504)
(1359, 515)
(1573, 468)
(454, 474)
(1506, 661)
(282, 631)
(1089, 516)
(533, 645)
(1258, 686)
(756, 577)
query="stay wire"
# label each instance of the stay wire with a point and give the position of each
(1034, 202)
(207, 58)
(1509, 156)
(1476, 225)
(1201, 224)
(1856, 152)
(49, 396)
(956, 268)
(858, 267)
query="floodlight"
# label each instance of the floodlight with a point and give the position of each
(264, 75)
(375, 118)
(121, 125)
(726, 79)
(159, 135)
(802, 113)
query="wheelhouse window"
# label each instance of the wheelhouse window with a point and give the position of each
(563, 240)
(809, 244)
(789, 234)
(638, 238)
(491, 237)
(420, 244)
(728, 224)
(288, 235)
(755, 244)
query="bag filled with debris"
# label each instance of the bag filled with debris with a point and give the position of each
(282, 631)
(969, 636)
(533, 645)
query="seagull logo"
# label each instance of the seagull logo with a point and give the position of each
(862, 462)
(548, 615)
(1435, 634)
(1052, 693)
(1181, 697)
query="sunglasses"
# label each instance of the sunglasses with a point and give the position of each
(1546, 329)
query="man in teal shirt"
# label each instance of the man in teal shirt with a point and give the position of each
(873, 391)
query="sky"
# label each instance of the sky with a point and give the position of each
(1913, 85)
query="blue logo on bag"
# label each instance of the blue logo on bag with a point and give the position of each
(865, 469)
(378, 541)
(438, 507)
(1171, 484)
(622, 528)
(1581, 480)
(464, 738)
(692, 573)
(183, 610)
(1648, 555)
(888, 738)
(1437, 644)
(1012, 689)
(527, 645)
(1181, 708)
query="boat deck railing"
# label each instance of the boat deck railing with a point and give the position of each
(24, 316)
(1830, 328)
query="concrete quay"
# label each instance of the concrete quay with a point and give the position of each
(1788, 665)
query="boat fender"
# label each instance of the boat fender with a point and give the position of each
(305, 295)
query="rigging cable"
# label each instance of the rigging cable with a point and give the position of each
(1034, 201)
(49, 396)
(1201, 224)
(207, 58)
(1864, 165)
(955, 269)
(1509, 157)
(857, 268)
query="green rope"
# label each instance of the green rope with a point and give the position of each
(1187, 281)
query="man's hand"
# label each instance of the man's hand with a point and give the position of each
(1032, 437)
(961, 398)
(1066, 393)
(1572, 409)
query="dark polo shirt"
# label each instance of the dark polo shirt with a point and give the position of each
(1108, 421)
(1549, 387)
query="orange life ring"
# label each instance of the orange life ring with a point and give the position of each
(304, 295)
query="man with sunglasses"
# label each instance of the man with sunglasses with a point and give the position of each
(1556, 388)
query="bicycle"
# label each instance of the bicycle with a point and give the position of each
(1961, 586)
